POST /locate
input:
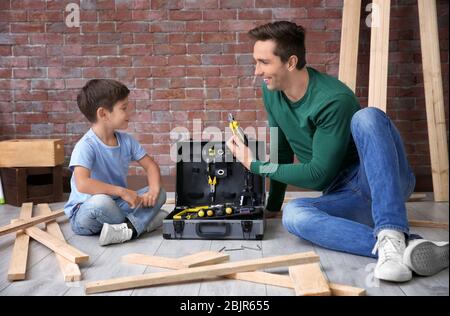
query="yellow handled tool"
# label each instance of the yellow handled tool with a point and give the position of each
(190, 210)
(236, 129)
(212, 183)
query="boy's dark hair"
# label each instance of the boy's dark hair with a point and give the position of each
(100, 93)
(289, 38)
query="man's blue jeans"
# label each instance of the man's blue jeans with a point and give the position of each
(364, 198)
(89, 217)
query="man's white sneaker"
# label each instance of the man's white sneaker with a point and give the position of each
(157, 221)
(426, 257)
(391, 246)
(113, 234)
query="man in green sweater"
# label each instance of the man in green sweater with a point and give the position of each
(355, 156)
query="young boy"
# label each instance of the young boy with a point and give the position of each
(100, 200)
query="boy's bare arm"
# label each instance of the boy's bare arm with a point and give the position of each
(85, 184)
(153, 178)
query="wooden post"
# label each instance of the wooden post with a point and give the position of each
(348, 58)
(379, 51)
(434, 98)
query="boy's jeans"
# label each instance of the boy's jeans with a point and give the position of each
(364, 198)
(90, 216)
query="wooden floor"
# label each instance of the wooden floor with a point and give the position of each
(44, 277)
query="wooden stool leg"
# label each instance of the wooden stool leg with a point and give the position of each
(379, 51)
(434, 98)
(348, 60)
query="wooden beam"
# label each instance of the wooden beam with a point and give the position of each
(348, 58)
(379, 51)
(199, 273)
(204, 258)
(417, 197)
(309, 280)
(253, 276)
(427, 224)
(70, 271)
(285, 281)
(162, 262)
(60, 247)
(18, 264)
(22, 224)
(434, 98)
(345, 290)
(195, 260)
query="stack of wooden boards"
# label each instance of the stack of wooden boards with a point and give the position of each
(52, 237)
(305, 274)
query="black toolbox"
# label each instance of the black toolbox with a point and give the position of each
(215, 197)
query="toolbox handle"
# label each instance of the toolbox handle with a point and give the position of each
(216, 234)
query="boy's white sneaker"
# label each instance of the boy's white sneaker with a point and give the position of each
(426, 257)
(157, 221)
(391, 246)
(114, 234)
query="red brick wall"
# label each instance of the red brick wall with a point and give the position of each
(186, 59)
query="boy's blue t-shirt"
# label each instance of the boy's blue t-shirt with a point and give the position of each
(108, 164)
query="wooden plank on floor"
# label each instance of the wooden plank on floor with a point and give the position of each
(285, 281)
(18, 264)
(253, 276)
(345, 290)
(60, 247)
(155, 261)
(379, 51)
(427, 224)
(22, 224)
(199, 273)
(417, 197)
(70, 271)
(308, 280)
(195, 260)
(204, 258)
(348, 58)
(434, 98)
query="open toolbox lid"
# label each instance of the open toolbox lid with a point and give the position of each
(192, 187)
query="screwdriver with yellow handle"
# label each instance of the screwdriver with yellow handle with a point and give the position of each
(188, 212)
(237, 130)
(246, 197)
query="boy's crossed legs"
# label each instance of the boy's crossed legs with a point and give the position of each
(115, 219)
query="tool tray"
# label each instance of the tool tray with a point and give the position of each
(197, 165)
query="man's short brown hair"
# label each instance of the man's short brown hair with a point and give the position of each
(100, 93)
(289, 39)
